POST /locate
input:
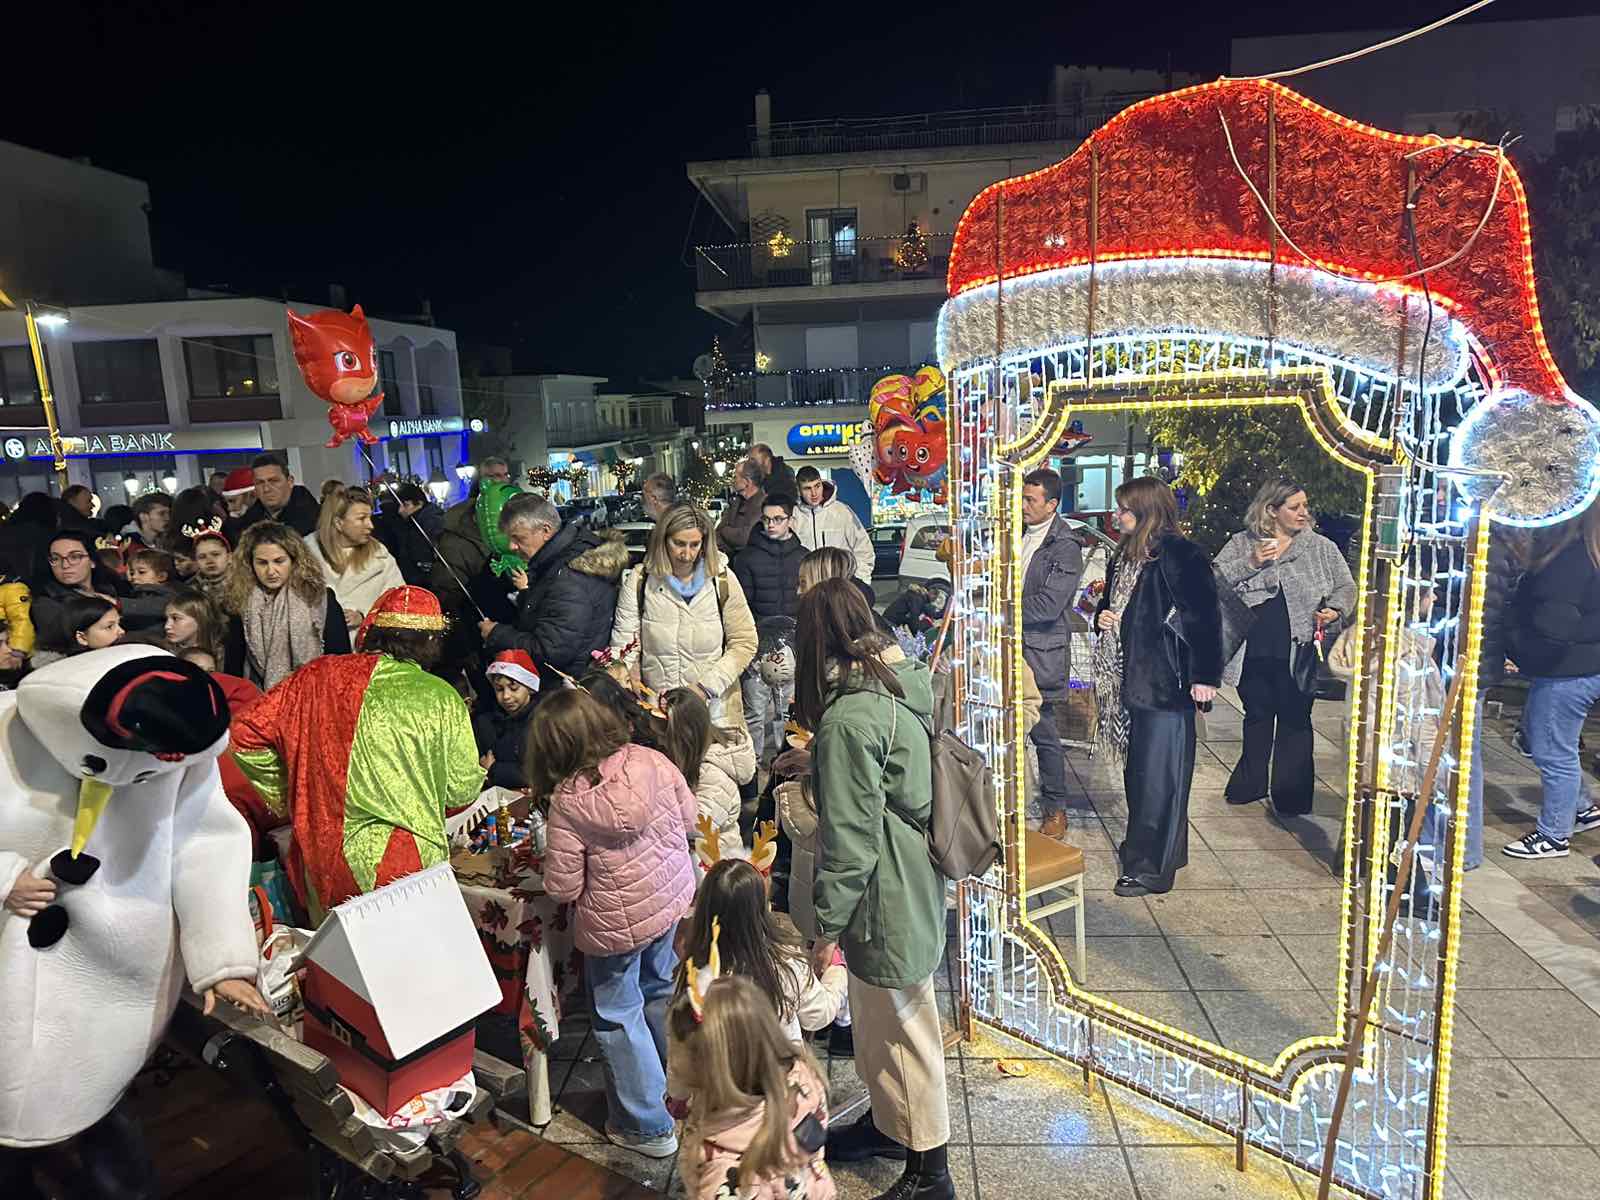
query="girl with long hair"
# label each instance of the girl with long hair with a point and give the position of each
(876, 893)
(1158, 655)
(94, 622)
(716, 760)
(1297, 585)
(1553, 635)
(282, 613)
(357, 566)
(757, 1126)
(193, 623)
(733, 898)
(618, 851)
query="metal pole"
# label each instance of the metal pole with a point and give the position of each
(45, 398)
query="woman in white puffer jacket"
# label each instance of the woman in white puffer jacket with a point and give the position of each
(695, 629)
(357, 566)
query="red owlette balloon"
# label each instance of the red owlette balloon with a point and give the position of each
(339, 363)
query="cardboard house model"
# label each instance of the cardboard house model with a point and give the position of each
(394, 981)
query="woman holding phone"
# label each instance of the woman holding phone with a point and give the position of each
(1296, 585)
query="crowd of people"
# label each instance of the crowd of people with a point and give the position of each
(381, 674)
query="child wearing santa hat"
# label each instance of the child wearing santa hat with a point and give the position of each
(502, 731)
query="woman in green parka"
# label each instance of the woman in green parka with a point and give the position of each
(877, 895)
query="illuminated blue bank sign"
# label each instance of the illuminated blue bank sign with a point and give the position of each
(826, 437)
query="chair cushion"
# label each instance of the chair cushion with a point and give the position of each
(1050, 861)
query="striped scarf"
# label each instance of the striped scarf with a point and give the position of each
(1115, 723)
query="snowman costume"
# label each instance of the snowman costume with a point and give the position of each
(167, 897)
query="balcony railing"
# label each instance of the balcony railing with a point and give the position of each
(970, 127)
(781, 262)
(797, 389)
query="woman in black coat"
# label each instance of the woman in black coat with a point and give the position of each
(1158, 655)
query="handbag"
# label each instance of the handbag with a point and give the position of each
(1305, 665)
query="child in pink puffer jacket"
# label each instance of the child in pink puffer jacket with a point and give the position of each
(620, 820)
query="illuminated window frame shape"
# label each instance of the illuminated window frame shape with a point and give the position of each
(1309, 390)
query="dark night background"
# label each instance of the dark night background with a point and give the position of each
(524, 169)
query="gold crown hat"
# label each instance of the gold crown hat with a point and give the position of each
(404, 607)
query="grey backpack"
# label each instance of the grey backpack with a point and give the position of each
(963, 827)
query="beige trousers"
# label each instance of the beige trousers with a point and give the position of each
(900, 1057)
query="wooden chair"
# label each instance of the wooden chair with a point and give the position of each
(1056, 867)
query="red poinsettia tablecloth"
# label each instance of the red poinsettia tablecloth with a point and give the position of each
(528, 939)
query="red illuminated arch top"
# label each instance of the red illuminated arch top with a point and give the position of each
(1167, 187)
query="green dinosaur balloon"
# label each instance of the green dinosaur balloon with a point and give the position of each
(492, 497)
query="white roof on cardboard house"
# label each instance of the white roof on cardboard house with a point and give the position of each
(410, 950)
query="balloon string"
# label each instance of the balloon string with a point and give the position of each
(379, 477)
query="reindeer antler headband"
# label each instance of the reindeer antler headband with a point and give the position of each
(211, 528)
(700, 979)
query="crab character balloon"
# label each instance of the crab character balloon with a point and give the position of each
(339, 362)
(908, 427)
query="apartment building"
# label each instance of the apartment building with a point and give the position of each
(838, 236)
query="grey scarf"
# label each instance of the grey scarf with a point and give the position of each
(281, 633)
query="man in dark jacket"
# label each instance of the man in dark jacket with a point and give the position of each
(768, 568)
(408, 523)
(1052, 562)
(566, 611)
(278, 498)
(777, 475)
(744, 514)
(768, 571)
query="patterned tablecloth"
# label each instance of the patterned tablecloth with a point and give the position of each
(528, 939)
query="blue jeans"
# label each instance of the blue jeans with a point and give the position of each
(631, 992)
(1435, 829)
(1553, 719)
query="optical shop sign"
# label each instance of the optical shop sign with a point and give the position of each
(826, 437)
(158, 441)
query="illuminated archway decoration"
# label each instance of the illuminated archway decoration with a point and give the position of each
(1145, 272)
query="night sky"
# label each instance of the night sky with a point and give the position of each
(525, 171)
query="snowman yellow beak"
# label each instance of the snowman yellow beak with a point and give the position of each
(92, 797)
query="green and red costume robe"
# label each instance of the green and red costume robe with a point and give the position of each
(366, 755)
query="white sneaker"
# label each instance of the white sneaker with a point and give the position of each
(664, 1146)
(1536, 845)
(1588, 819)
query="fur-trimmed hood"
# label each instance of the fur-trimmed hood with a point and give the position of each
(607, 560)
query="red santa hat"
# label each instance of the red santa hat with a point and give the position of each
(239, 481)
(516, 665)
(403, 608)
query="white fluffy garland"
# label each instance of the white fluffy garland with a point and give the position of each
(1356, 322)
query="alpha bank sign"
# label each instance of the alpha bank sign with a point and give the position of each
(411, 427)
(106, 443)
(816, 438)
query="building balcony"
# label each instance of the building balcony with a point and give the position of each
(1070, 121)
(808, 270)
(817, 388)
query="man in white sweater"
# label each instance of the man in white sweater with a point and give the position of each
(822, 519)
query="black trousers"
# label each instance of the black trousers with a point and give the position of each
(1156, 778)
(1276, 760)
(116, 1164)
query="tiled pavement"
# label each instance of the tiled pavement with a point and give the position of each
(1258, 903)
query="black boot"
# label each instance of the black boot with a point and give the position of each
(116, 1164)
(841, 1041)
(926, 1177)
(860, 1141)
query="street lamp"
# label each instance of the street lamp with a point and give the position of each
(35, 315)
(169, 481)
(130, 483)
(465, 472)
(438, 487)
